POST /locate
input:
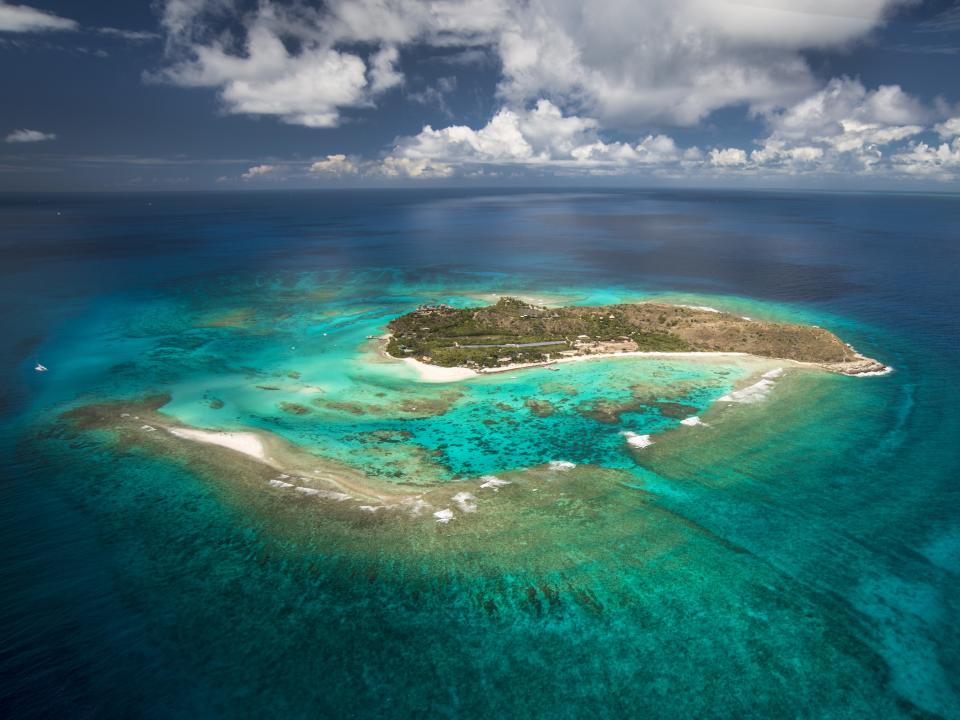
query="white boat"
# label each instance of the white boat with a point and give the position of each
(40, 368)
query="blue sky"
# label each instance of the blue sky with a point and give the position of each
(231, 94)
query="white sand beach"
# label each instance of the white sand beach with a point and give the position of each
(243, 442)
(437, 374)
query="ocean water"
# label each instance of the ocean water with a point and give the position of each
(797, 556)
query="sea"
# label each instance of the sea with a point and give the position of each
(794, 552)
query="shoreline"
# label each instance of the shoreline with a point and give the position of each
(802, 345)
(441, 374)
(436, 373)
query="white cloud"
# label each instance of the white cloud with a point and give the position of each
(623, 62)
(29, 136)
(335, 165)
(445, 23)
(541, 137)
(419, 168)
(949, 128)
(500, 140)
(628, 62)
(937, 162)
(728, 157)
(858, 135)
(847, 116)
(308, 88)
(652, 150)
(383, 70)
(777, 151)
(24, 19)
(841, 128)
(306, 65)
(258, 171)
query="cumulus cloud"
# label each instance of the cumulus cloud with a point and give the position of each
(539, 137)
(630, 63)
(29, 136)
(847, 116)
(383, 70)
(418, 168)
(307, 88)
(301, 64)
(671, 61)
(258, 171)
(934, 161)
(652, 150)
(778, 152)
(623, 62)
(728, 157)
(938, 162)
(842, 127)
(335, 165)
(949, 128)
(24, 19)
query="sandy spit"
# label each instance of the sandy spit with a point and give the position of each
(243, 442)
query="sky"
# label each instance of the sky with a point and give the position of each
(271, 94)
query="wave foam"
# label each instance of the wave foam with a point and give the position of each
(637, 441)
(692, 421)
(492, 481)
(561, 465)
(705, 308)
(416, 505)
(444, 516)
(887, 369)
(463, 500)
(754, 393)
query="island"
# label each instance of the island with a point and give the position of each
(381, 451)
(512, 334)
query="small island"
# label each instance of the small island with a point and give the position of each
(513, 333)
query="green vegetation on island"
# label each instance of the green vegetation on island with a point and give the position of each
(514, 332)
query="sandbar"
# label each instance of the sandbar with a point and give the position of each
(243, 442)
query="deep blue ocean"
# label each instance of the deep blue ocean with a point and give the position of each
(805, 563)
